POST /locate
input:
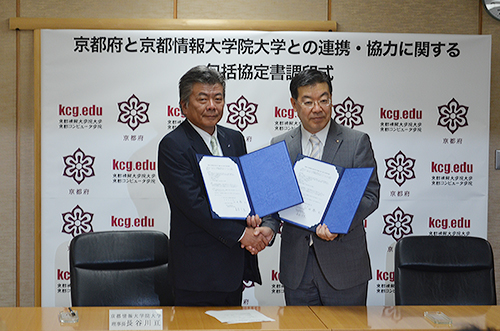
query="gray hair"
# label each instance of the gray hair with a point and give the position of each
(199, 74)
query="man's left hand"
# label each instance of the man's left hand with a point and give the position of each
(325, 234)
(253, 221)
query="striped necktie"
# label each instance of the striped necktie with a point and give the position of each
(315, 147)
(214, 148)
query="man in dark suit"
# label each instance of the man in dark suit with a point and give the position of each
(207, 260)
(326, 268)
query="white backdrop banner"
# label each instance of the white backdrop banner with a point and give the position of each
(108, 97)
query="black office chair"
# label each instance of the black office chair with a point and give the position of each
(432, 270)
(120, 268)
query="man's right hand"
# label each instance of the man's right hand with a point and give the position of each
(325, 234)
(254, 241)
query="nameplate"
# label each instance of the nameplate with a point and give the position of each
(136, 319)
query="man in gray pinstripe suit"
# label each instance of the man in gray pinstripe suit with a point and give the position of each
(325, 268)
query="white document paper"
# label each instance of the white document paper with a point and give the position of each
(317, 181)
(225, 187)
(239, 316)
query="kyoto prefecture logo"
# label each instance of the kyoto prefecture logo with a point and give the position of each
(77, 222)
(453, 116)
(398, 224)
(348, 113)
(78, 166)
(242, 113)
(133, 112)
(400, 168)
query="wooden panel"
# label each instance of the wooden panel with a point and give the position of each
(174, 318)
(26, 147)
(97, 8)
(8, 160)
(23, 23)
(396, 16)
(492, 27)
(310, 10)
(373, 318)
(377, 318)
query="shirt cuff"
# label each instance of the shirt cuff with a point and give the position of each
(242, 235)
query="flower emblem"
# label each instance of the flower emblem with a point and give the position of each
(400, 168)
(133, 112)
(348, 113)
(453, 116)
(242, 113)
(398, 224)
(77, 221)
(78, 166)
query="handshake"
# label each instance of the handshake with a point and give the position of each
(256, 238)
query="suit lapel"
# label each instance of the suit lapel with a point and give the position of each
(195, 140)
(333, 142)
(224, 142)
(294, 144)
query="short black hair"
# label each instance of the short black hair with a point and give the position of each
(308, 77)
(199, 74)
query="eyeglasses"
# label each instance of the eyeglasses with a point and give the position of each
(323, 103)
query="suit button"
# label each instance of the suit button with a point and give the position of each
(306, 237)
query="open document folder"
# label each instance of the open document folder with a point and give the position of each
(331, 194)
(262, 182)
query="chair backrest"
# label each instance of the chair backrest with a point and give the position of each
(447, 270)
(120, 268)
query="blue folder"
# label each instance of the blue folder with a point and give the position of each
(345, 199)
(268, 178)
